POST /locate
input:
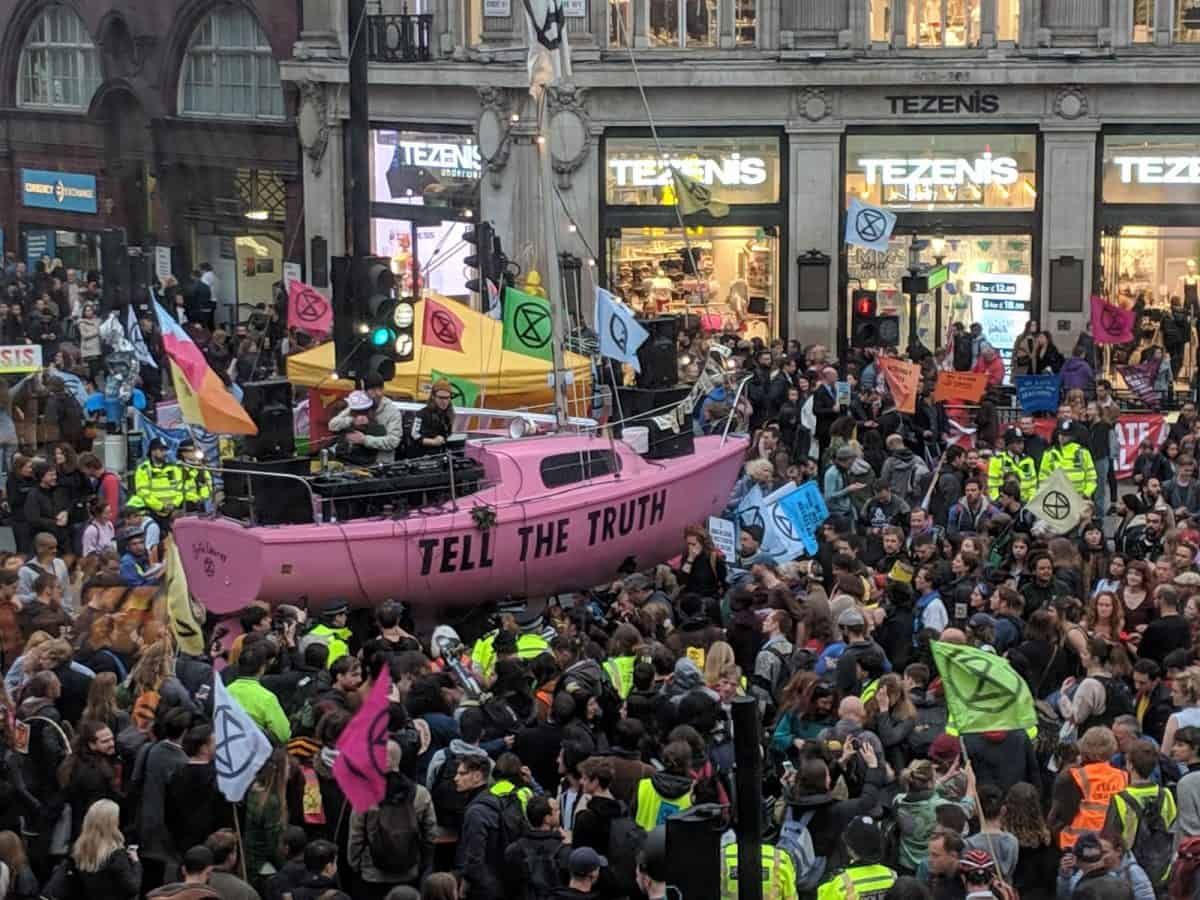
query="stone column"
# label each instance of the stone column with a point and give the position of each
(324, 201)
(641, 23)
(1164, 17)
(900, 23)
(1068, 220)
(325, 29)
(987, 24)
(725, 24)
(815, 211)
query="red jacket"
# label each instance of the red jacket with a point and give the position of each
(993, 370)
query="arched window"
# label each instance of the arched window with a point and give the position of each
(229, 69)
(59, 64)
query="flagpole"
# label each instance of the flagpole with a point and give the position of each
(553, 275)
(979, 807)
(237, 830)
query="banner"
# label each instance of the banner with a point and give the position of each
(712, 377)
(308, 309)
(1038, 393)
(20, 358)
(441, 328)
(983, 692)
(1140, 380)
(528, 329)
(1111, 324)
(868, 226)
(1131, 430)
(807, 510)
(620, 333)
(361, 765)
(1057, 504)
(241, 746)
(903, 379)
(182, 616)
(968, 386)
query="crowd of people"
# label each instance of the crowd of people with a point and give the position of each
(542, 754)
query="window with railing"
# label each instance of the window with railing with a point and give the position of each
(683, 23)
(943, 23)
(1187, 21)
(59, 65)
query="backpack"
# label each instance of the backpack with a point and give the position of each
(1153, 845)
(394, 836)
(795, 840)
(513, 823)
(541, 875)
(625, 840)
(448, 803)
(1187, 867)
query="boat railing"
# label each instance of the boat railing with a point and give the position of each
(737, 396)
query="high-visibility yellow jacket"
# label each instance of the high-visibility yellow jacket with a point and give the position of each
(504, 787)
(197, 486)
(158, 486)
(1121, 818)
(1004, 464)
(859, 882)
(619, 670)
(778, 874)
(483, 654)
(653, 809)
(1076, 461)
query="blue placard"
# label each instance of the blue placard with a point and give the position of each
(807, 510)
(39, 242)
(65, 191)
(1038, 393)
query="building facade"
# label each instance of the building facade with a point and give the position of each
(1044, 150)
(158, 127)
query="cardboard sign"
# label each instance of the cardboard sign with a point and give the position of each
(724, 536)
(20, 358)
(967, 386)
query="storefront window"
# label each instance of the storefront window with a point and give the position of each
(738, 170)
(880, 13)
(990, 282)
(733, 284)
(683, 23)
(620, 23)
(943, 171)
(1008, 20)
(745, 22)
(430, 257)
(943, 23)
(1187, 21)
(1151, 168)
(1151, 265)
(1142, 31)
(418, 168)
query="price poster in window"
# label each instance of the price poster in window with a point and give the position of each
(499, 9)
(575, 9)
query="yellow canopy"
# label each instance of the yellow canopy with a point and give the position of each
(506, 380)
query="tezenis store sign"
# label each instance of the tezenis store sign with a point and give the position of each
(941, 172)
(1158, 169)
(734, 170)
(944, 104)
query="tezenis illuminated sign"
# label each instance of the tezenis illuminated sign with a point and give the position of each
(983, 170)
(1158, 169)
(733, 170)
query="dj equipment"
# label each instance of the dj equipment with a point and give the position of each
(657, 354)
(269, 404)
(395, 487)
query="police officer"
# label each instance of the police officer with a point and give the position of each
(331, 631)
(434, 423)
(864, 878)
(529, 644)
(1012, 460)
(1071, 458)
(197, 482)
(158, 483)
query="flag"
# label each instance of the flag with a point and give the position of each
(620, 333)
(807, 510)
(693, 197)
(1140, 379)
(1111, 324)
(983, 692)
(442, 328)
(547, 33)
(1057, 503)
(903, 379)
(1038, 393)
(462, 391)
(781, 539)
(868, 226)
(133, 331)
(241, 746)
(968, 386)
(361, 765)
(171, 437)
(308, 309)
(180, 612)
(202, 397)
(528, 328)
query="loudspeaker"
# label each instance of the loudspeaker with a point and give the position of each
(666, 444)
(693, 859)
(269, 404)
(254, 492)
(114, 269)
(657, 354)
(635, 405)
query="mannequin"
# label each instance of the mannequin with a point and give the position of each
(1190, 284)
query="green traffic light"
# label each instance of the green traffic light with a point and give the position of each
(381, 337)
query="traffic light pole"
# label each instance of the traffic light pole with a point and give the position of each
(358, 229)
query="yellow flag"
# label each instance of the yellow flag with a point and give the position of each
(1057, 503)
(179, 604)
(694, 197)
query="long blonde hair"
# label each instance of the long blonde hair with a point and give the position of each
(718, 657)
(154, 666)
(100, 837)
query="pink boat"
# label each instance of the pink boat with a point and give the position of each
(554, 529)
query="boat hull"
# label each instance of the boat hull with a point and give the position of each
(559, 540)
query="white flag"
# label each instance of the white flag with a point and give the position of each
(780, 538)
(242, 748)
(134, 332)
(1057, 503)
(868, 226)
(620, 333)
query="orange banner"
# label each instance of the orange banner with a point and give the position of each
(903, 379)
(967, 386)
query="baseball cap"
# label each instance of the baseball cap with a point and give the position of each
(584, 860)
(851, 618)
(156, 444)
(982, 620)
(1088, 849)
(358, 400)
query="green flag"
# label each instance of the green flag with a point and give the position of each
(983, 692)
(527, 325)
(462, 391)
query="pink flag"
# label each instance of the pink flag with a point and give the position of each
(361, 766)
(1110, 324)
(308, 310)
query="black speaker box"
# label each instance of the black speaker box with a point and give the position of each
(634, 405)
(114, 269)
(693, 860)
(657, 354)
(269, 404)
(666, 444)
(255, 492)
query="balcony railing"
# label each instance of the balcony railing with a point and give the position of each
(398, 38)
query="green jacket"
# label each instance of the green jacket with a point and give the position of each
(263, 707)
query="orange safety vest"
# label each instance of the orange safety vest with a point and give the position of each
(1098, 783)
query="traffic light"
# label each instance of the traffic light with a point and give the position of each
(483, 238)
(864, 331)
(372, 329)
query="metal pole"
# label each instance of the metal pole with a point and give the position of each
(747, 758)
(558, 309)
(359, 168)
